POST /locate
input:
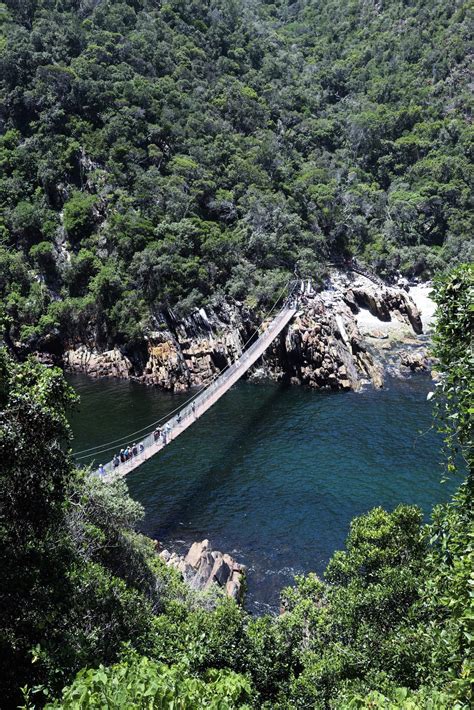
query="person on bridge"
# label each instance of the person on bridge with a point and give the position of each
(141, 447)
(101, 470)
(116, 461)
(157, 434)
(193, 407)
(166, 433)
(134, 450)
(122, 455)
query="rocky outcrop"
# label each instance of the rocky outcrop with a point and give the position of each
(111, 363)
(386, 303)
(203, 568)
(165, 366)
(192, 351)
(324, 350)
(415, 360)
(333, 342)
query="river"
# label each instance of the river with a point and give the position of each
(273, 474)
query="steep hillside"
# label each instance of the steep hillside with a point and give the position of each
(159, 155)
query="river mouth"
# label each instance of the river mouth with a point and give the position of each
(273, 474)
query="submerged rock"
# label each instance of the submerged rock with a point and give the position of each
(415, 360)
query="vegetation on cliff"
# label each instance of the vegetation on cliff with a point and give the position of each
(157, 155)
(390, 625)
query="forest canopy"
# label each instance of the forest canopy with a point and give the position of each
(163, 154)
(158, 156)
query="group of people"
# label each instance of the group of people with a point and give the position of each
(133, 450)
(128, 453)
(163, 434)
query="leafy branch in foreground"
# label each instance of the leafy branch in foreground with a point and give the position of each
(453, 348)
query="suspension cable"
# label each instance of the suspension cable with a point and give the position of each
(92, 450)
(165, 417)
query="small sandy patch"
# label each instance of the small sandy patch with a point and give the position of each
(368, 322)
(421, 295)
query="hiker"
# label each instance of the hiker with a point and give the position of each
(157, 434)
(122, 456)
(116, 461)
(134, 450)
(141, 447)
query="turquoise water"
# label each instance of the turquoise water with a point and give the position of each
(273, 474)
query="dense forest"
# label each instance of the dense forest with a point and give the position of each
(389, 627)
(161, 155)
(157, 156)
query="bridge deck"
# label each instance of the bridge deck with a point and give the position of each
(203, 401)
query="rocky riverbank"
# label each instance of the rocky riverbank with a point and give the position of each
(342, 338)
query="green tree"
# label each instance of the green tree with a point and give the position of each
(79, 217)
(36, 475)
(69, 597)
(453, 352)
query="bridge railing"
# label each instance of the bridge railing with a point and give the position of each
(153, 441)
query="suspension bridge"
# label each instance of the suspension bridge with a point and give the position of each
(179, 420)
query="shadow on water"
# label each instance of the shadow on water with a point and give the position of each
(274, 474)
(205, 484)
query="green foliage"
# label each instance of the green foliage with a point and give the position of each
(199, 149)
(75, 579)
(42, 255)
(401, 699)
(79, 216)
(139, 682)
(35, 477)
(390, 626)
(156, 156)
(450, 587)
(453, 350)
(361, 622)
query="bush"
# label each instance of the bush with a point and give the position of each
(79, 217)
(138, 682)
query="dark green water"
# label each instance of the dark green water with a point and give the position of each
(272, 474)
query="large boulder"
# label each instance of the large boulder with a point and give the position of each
(383, 303)
(203, 568)
(415, 360)
(196, 551)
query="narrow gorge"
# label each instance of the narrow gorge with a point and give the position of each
(343, 336)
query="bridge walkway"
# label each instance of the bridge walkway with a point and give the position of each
(175, 426)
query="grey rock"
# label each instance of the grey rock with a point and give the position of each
(202, 568)
(311, 350)
(415, 360)
(196, 551)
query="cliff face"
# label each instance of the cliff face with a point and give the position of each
(197, 348)
(331, 343)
